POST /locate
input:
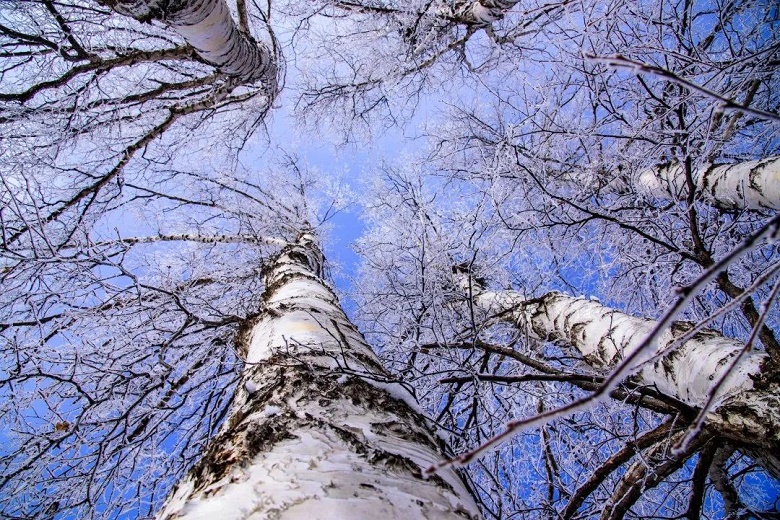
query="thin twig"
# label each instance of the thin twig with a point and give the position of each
(619, 61)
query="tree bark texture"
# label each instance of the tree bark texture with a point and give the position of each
(208, 27)
(746, 185)
(481, 12)
(317, 429)
(746, 406)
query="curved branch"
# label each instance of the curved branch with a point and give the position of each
(654, 436)
(646, 473)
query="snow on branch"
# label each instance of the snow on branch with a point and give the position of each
(619, 61)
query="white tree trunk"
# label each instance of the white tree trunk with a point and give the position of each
(746, 185)
(209, 28)
(481, 12)
(745, 409)
(316, 430)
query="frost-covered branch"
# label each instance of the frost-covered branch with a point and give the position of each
(640, 67)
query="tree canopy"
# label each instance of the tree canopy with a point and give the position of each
(568, 254)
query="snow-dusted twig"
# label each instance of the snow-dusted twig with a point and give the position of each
(619, 61)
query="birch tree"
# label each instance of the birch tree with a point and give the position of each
(91, 100)
(483, 359)
(125, 352)
(746, 185)
(208, 26)
(118, 358)
(317, 426)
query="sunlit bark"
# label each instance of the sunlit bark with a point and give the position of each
(745, 185)
(746, 405)
(208, 26)
(316, 429)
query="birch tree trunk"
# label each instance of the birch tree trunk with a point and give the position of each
(746, 185)
(316, 428)
(209, 28)
(482, 12)
(746, 406)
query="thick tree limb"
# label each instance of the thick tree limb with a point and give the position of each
(745, 185)
(625, 454)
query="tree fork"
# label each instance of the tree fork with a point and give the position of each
(317, 428)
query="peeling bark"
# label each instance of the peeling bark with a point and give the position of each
(743, 411)
(746, 185)
(209, 28)
(317, 429)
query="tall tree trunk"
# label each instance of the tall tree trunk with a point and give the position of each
(316, 429)
(746, 185)
(746, 406)
(209, 28)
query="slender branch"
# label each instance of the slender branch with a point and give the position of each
(619, 61)
(654, 436)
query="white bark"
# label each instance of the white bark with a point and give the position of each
(316, 431)
(482, 12)
(746, 185)
(209, 28)
(743, 410)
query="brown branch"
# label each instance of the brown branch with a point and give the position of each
(646, 473)
(720, 480)
(627, 392)
(100, 66)
(75, 45)
(625, 454)
(699, 481)
(748, 307)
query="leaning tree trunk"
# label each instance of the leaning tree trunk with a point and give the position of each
(746, 406)
(209, 28)
(317, 429)
(746, 185)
